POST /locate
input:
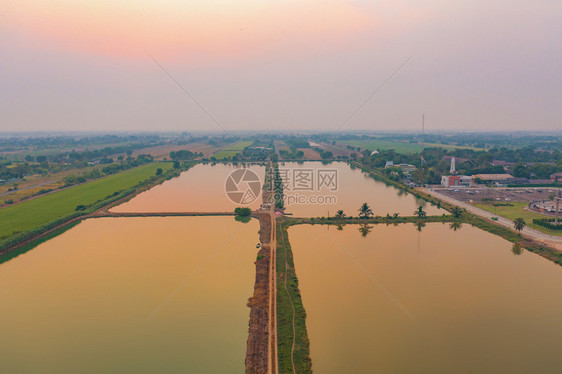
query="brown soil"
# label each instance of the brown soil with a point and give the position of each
(258, 336)
(337, 150)
(310, 154)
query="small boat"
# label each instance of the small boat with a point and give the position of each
(258, 245)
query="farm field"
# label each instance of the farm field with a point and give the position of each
(452, 146)
(36, 182)
(161, 151)
(42, 210)
(310, 154)
(232, 150)
(281, 145)
(338, 149)
(399, 147)
(19, 154)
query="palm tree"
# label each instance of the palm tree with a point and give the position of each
(456, 211)
(420, 212)
(519, 224)
(365, 211)
(395, 215)
(340, 214)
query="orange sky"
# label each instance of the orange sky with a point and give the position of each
(169, 28)
(280, 64)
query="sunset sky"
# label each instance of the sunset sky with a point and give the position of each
(280, 65)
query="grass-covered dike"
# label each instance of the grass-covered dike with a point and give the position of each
(289, 299)
(22, 223)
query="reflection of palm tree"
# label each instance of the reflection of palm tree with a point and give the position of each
(339, 227)
(517, 249)
(365, 229)
(420, 212)
(419, 225)
(365, 211)
(519, 224)
(455, 225)
(340, 214)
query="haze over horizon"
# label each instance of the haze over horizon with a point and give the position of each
(476, 66)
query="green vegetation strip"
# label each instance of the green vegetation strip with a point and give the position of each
(401, 147)
(232, 150)
(398, 147)
(375, 220)
(29, 246)
(37, 212)
(287, 298)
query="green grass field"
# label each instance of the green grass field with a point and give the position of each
(232, 150)
(42, 210)
(516, 211)
(400, 147)
(452, 146)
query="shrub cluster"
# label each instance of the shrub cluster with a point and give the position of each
(548, 223)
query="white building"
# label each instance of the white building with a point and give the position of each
(456, 181)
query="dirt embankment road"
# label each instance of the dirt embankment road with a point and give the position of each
(257, 351)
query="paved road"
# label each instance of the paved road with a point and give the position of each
(551, 240)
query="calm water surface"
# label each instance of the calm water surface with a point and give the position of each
(354, 188)
(199, 189)
(91, 299)
(475, 306)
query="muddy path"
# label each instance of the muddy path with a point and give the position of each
(257, 351)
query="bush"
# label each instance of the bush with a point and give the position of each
(243, 212)
(548, 223)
